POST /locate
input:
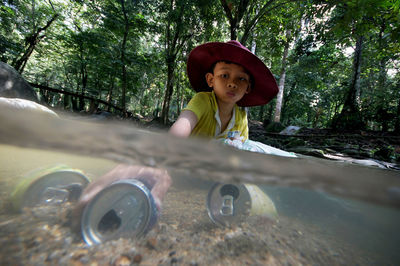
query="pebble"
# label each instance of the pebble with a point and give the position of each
(122, 261)
(80, 253)
(152, 243)
(68, 241)
(162, 228)
(55, 255)
(137, 258)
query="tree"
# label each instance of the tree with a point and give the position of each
(282, 76)
(243, 15)
(354, 21)
(39, 17)
(180, 26)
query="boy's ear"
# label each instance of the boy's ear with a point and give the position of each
(210, 79)
(248, 90)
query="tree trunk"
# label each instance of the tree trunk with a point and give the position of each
(261, 113)
(123, 68)
(123, 50)
(382, 110)
(67, 102)
(270, 113)
(397, 122)
(350, 117)
(173, 45)
(232, 18)
(84, 79)
(279, 100)
(352, 102)
(110, 92)
(31, 41)
(179, 96)
(168, 92)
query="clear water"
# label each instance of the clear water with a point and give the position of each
(350, 209)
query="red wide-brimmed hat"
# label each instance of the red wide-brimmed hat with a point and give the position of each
(201, 59)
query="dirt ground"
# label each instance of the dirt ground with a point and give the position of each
(184, 235)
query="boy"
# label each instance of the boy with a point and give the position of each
(227, 77)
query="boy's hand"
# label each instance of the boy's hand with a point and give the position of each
(157, 180)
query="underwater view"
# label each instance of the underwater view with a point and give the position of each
(290, 211)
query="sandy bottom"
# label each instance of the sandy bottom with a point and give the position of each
(184, 235)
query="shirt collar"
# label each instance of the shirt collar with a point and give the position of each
(216, 116)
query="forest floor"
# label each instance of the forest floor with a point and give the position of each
(366, 147)
(372, 148)
(381, 149)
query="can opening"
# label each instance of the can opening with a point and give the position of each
(109, 223)
(230, 190)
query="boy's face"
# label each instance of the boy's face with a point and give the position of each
(229, 81)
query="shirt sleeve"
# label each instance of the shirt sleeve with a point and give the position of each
(197, 104)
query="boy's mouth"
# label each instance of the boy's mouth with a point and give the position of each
(230, 94)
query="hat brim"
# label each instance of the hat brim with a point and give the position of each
(201, 59)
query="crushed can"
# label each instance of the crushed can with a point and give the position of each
(229, 204)
(126, 208)
(49, 186)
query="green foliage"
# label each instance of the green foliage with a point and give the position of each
(84, 51)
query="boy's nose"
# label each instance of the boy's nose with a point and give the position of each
(232, 84)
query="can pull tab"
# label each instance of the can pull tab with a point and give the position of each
(59, 195)
(227, 207)
(229, 194)
(54, 196)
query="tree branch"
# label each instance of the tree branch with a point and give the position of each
(264, 10)
(65, 92)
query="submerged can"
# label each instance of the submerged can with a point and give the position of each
(49, 186)
(229, 204)
(126, 208)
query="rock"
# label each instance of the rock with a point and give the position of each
(13, 85)
(290, 130)
(12, 105)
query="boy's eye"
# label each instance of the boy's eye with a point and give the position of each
(243, 79)
(224, 76)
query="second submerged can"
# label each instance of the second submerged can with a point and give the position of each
(53, 185)
(126, 208)
(229, 204)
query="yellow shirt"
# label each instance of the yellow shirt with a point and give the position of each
(204, 105)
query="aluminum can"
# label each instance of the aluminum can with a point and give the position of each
(229, 204)
(126, 208)
(49, 186)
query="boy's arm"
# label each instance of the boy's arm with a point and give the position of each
(184, 125)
